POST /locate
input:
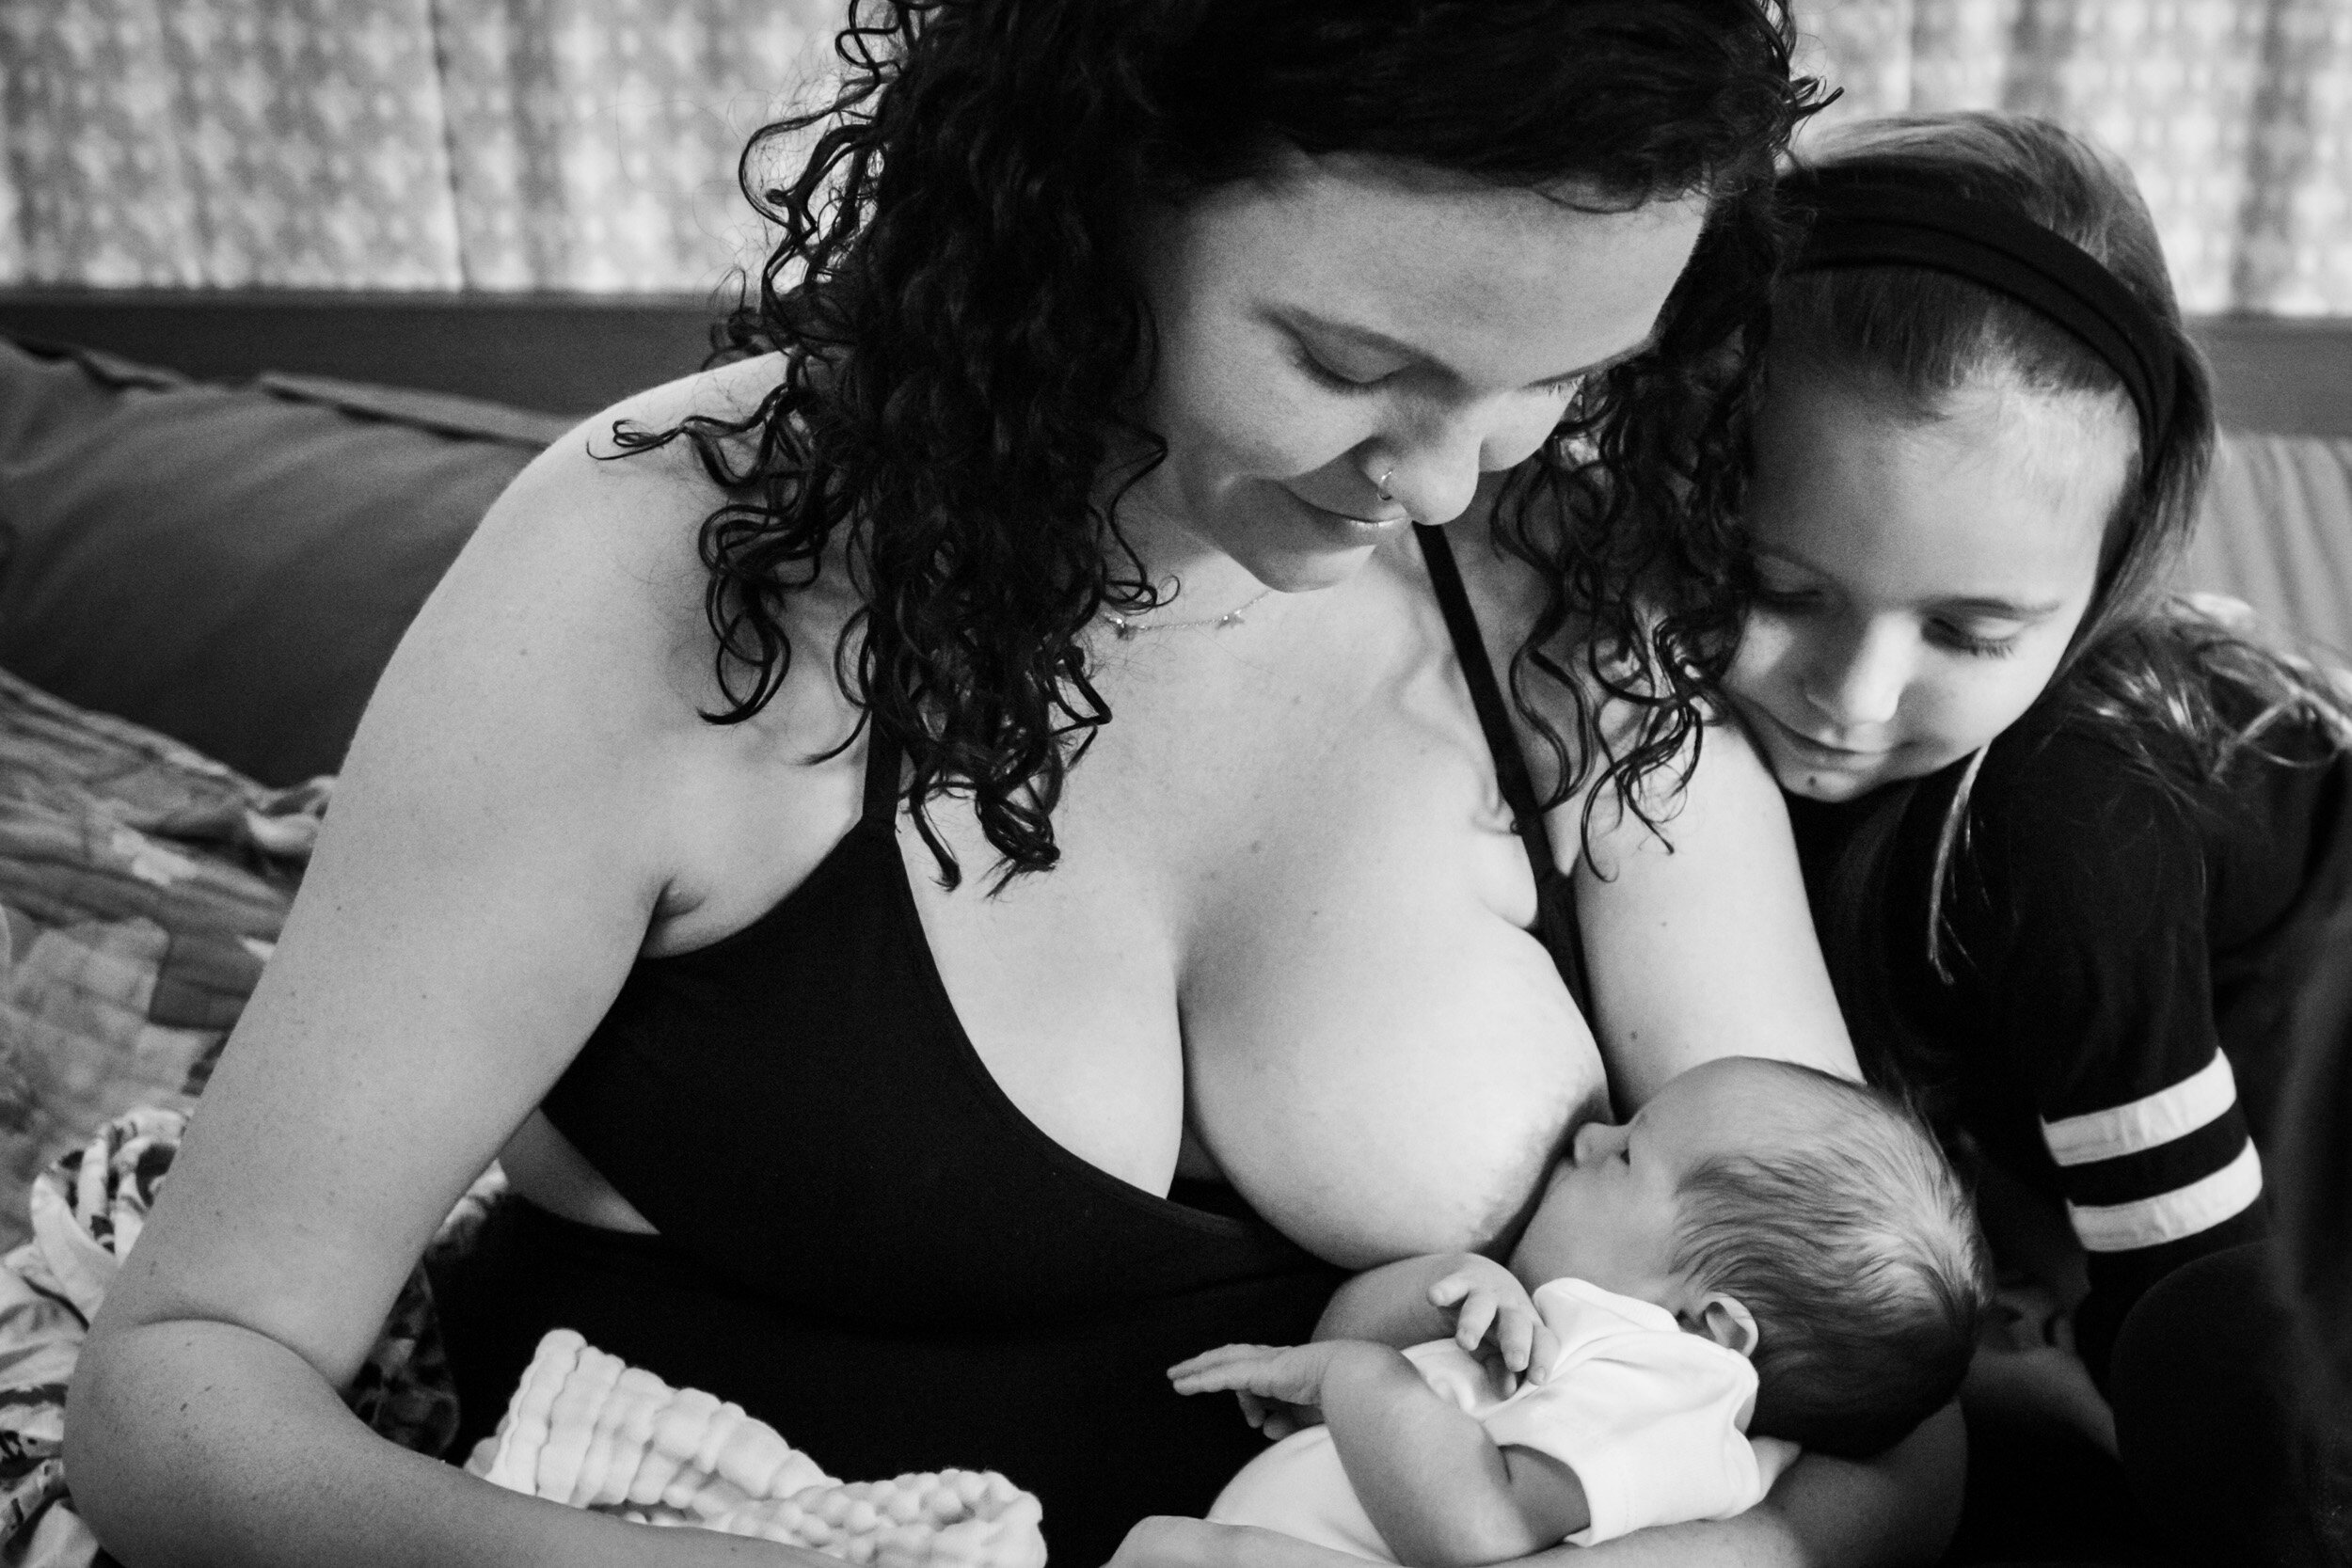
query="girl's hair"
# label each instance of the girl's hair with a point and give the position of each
(961, 340)
(2174, 686)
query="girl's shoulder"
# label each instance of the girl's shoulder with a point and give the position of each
(2074, 826)
(2207, 750)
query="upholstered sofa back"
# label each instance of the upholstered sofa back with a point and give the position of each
(234, 566)
(2277, 533)
(231, 565)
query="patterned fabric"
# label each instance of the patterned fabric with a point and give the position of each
(2234, 115)
(87, 1210)
(591, 144)
(141, 886)
(389, 144)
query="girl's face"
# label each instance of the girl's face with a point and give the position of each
(1919, 579)
(1344, 317)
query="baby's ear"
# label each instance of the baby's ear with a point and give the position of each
(1726, 1321)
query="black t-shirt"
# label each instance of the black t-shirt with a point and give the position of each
(2121, 965)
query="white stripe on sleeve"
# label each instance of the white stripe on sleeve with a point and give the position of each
(2148, 1123)
(2168, 1216)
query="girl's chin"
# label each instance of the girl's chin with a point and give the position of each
(1833, 783)
(1829, 788)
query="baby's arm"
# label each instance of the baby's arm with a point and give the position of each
(1436, 1486)
(1459, 1296)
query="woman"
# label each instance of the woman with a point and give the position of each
(1118, 346)
(2075, 846)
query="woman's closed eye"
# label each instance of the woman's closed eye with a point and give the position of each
(1789, 597)
(1338, 380)
(1317, 368)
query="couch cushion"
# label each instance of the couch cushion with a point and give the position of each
(231, 565)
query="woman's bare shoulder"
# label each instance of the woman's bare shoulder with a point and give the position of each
(569, 654)
(606, 488)
(594, 554)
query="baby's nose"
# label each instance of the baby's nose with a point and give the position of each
(1591, 1140)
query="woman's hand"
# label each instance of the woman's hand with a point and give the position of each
(1487, 1299)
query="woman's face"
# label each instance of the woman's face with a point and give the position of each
(1919, 579)
(1347, 316)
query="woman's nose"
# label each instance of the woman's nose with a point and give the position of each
(1861, 680)
(1432, 485)
(1439, 460)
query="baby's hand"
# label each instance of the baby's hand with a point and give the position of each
(1280, 1387)
(1484, 1295)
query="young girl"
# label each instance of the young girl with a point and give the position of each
(2072, 843)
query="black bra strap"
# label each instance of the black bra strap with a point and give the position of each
(884, 760)
(1494, 719)
(1556, 923)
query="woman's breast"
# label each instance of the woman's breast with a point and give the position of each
(1384, 1068)
(1318, 972)
(1380, 1055)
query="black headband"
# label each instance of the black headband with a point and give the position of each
(1862, 218)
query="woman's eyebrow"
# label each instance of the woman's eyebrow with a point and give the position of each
(1371, 336)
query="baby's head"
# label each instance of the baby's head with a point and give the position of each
(1805, 1220)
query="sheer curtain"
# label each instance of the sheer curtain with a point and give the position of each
(388, 144)
(591, 144)
(2234, 115)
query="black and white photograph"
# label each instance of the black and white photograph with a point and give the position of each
(1176, 784)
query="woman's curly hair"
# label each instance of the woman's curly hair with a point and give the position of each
(961, 336)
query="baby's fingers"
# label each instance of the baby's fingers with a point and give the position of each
(1224, 1355)
(1452, 1288)
(1476, 1317)
(1542, 1351)
(1226, 1368)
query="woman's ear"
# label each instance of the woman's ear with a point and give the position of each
(1726, 1321)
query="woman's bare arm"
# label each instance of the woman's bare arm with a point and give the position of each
(1897, 1512)
(1706, 948)
(1702, 950)
(506, 830)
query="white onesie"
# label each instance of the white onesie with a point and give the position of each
(1651, 1420)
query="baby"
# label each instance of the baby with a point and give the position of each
(1765, 1247)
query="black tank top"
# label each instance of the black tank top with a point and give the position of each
(865, 1244)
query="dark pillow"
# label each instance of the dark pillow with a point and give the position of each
(231, 565)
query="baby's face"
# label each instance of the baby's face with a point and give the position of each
(1611, 1213)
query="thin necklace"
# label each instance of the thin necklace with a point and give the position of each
(1129, 630)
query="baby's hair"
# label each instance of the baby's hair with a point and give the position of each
(1855, 1247)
